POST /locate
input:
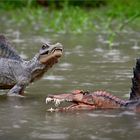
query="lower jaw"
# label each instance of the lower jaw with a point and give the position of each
(69, 109)
(51, 62)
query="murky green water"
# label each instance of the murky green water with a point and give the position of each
(88, 63)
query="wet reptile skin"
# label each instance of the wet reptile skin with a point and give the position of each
(16, 73)
(83, 100)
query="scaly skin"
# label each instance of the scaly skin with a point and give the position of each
(16, 73)
(82, 100)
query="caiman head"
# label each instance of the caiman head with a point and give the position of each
(84, 100)
(49, 54)
(80, 100)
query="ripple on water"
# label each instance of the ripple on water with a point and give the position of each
(99, 138)
(138, 125)
(54, 78)
(102, 115)
(55, 136)
(24, 56)
(18, 107)
(126, 95)
(128, 113)
(113, 55)
(2, 93)
(65, 66)
(100, 50)
(16, 126)
(78, 50)
(23, 121)
(18, 40)
(86, 84)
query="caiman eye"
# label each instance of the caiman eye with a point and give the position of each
(85, 92)
(45, 46)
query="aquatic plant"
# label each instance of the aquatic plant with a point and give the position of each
(109, 17)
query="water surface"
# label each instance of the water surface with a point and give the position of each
(88, 63)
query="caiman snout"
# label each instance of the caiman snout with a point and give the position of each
(77, 99)
(49, 54)
(58, 50)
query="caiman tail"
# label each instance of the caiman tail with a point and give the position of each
(135, 89)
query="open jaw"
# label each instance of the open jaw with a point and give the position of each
(52, 57)
(69, 104)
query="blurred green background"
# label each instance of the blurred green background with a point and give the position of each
(74, 16)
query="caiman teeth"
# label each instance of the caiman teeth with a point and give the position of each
(48, 99)
(68, 100)
(57, 102)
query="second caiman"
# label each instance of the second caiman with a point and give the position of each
(84, 100)
(16, 73)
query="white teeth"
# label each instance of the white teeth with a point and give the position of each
(48, 99)
(69, 100)
(57, 102)
(51, 110)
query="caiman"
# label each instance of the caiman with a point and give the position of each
(16, 73)
(84, 100)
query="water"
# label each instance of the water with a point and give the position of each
(88, 63)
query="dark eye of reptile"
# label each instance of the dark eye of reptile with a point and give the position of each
(85, 92)
(45, 46)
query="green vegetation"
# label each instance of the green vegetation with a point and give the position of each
(8, 4)
(72, 16)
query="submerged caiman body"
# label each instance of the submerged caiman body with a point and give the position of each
(84, 100)
(16, 73)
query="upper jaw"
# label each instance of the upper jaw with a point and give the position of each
(52, 48)
(57, 102)
(56, 47)
(50, 58)
(75, 106)
(51, 51)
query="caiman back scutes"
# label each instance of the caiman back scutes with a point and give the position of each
(6, 51)
(112, 98)
(135, 89)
